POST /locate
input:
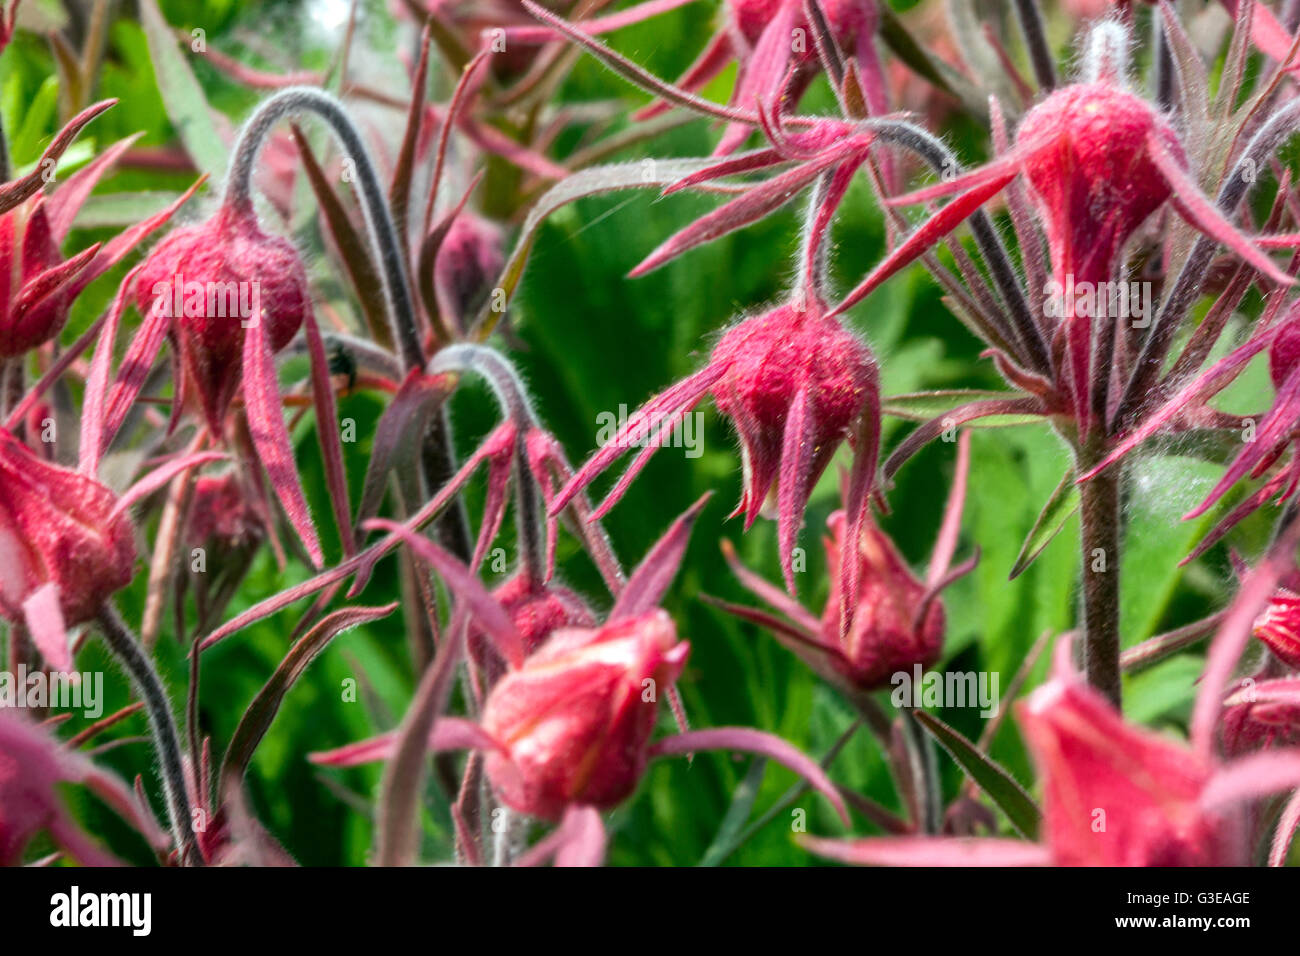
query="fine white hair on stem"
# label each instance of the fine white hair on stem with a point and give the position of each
(1106, 52)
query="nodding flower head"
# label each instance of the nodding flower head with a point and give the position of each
(574, 722)
(469, 261)
(896, 622)
(58, 527)
(537, 610)
(794, 383)
(847, 19)
(214, 280)
(1097, 182)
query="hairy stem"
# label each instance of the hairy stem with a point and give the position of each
(512, 398)
(1024, 329)
(1035, 34)
(1100, 516)
(166, 740)
(437, 455)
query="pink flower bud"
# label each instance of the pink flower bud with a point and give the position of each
(1098, 183)
(771, 361)
(574, 723)
(1278, 626)
(1284, 353)
(222, 513)
(1115, 794)
(213, 278)
(469, 261)
(892, 628)
(58, 526)
(1252, 725)
(536, 610)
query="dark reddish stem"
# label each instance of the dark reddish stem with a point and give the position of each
(1100, 515)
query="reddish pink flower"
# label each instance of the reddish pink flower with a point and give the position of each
(62, 529)
(223, 513)
(33, 766)
(568, 728)
(1119, 795)
(574, 723)
(796, 384)
(893, 623)
(1262, 714)
(536, 610)
(1113, 794)
(229, 296)
(1278, 626)
(468, 263)
(37, 285)
(1099, 161)
(213, 281)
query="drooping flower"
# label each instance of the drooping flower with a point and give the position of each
(1278, 625)
(67, 542)
(230, 297)
(1099, 160)
(468, 263)
(214, 281)
(895, 622)
(796, 384)
(33, 765)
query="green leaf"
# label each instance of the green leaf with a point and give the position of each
(1000, 786)
(1063, 503)
(187, 107)
(261, 712)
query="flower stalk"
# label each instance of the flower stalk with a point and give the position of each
(162, 726)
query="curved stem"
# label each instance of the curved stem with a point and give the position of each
(437, 456)
(166, 740)
(512, 397)
(388, 247)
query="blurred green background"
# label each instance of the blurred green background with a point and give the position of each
(592, 340)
